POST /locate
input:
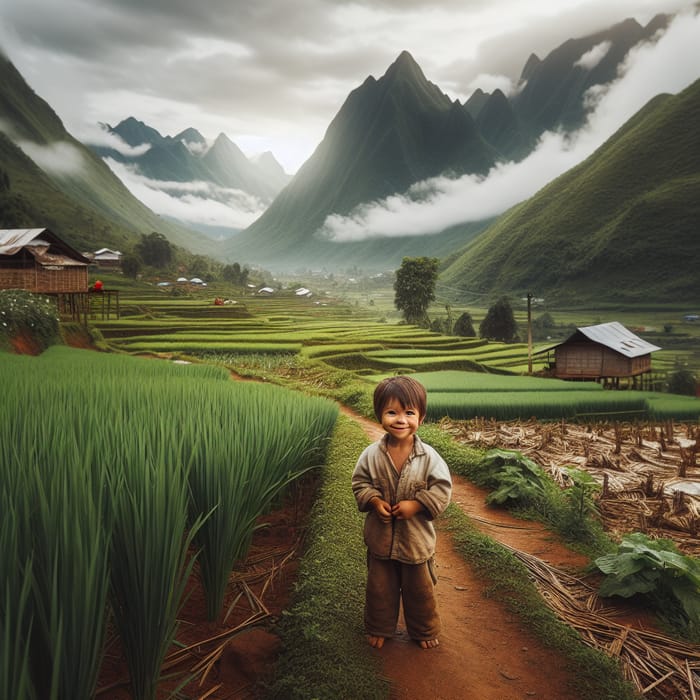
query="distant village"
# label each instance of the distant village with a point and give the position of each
(38, 260)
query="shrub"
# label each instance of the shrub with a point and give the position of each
(24, 313)
(657, 570)
(682, 381)
(464, 326)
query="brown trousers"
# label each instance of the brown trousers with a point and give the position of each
(389, 583)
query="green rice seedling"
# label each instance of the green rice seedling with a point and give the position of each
(15, 607)
(103, 443)
(320, 351)
(52, 490)
(666, 406)
(268, 437)
(479, 381)
(544, 405)
(150, 540)
(221, 345)
(70, 548)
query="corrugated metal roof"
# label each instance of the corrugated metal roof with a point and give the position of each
(615, 336)
(107, 252)
(13, 240)
(40, 242)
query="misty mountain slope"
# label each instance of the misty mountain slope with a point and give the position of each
(552, 93)
(389, 134)
(186, 157)
(64, 184)
(169, 160)
(33, 201)
(229, 167)
(622, 225)
(23, 111)
(501, 127)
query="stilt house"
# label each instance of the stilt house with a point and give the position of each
(37, 260)
(606, 352)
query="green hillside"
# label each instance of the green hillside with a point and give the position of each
(77, 195)
(621, 226)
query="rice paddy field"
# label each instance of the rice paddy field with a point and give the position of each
(131, 469)
(465, 377)
(131, 464)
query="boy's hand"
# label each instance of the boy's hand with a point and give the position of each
(404, 510)
(383, 509)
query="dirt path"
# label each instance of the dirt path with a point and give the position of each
(484, 653)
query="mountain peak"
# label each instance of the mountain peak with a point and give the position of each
(269, 164)
(191, 135)
(135, 132)
(405, 66)
(530, 65)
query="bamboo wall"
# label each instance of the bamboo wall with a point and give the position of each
(40, 279)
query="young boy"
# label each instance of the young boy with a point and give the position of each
(403, 485)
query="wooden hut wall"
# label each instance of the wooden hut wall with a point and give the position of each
(25, 274)
(590, 361)
(73, 278)
(17, 272)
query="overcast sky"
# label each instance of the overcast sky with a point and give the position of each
(272, 74)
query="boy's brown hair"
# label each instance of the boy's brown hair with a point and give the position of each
(409, 392)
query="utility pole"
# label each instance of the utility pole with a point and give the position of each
(529, 332)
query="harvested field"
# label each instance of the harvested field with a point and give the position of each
(649, 472)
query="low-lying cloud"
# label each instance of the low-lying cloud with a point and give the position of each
(592, 58)
(194, 202)
(668, 65)
(60, 157)
(99, 136)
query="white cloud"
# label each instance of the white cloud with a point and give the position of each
(669, 65)
(198, 202)
(60, 157)
(594, 56)
(97, 135)
(195, 147)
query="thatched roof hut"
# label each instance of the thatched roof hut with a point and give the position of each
(37, 260)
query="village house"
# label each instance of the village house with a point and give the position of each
(107, 259)
(37, 260)
(607, 353)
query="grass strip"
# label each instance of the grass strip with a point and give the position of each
(324, 652)
(596, 676)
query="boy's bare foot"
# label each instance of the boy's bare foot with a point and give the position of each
(429, 643)
(376, 642)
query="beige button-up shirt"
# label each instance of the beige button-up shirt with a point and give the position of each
(424, 477)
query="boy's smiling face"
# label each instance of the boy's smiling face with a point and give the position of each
(400, 422)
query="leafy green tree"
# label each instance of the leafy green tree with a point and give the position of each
(464, 326)
(199, 267)
(131, 265)
(235, 274)
(155, 249)
(499, 323)
(415, 287)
